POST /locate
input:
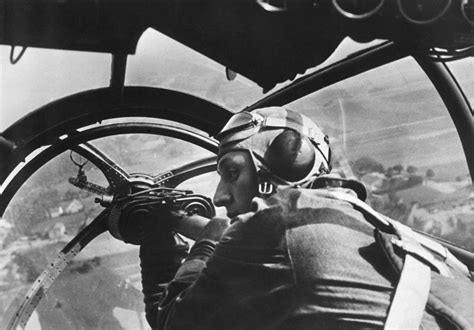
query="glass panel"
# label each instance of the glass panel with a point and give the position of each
(163, 62)
(390, 129)
(44, 75)
(102, 287)
(463, 70)
(149, 154)
(45, 214)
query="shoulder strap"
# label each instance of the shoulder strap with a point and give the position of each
(407, 234)
(411, 294)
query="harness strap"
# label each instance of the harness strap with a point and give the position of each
(406, 233)
(411, 295)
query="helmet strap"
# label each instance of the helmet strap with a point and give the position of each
(324, 169)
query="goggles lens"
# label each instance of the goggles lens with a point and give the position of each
(239, 122)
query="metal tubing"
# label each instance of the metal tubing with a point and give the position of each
(456, 103)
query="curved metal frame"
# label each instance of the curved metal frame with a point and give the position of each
(45, 125)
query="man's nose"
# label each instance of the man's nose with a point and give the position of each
(222, 196)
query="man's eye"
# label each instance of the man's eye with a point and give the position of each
(231, 175)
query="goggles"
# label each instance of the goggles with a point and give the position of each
(240, 122)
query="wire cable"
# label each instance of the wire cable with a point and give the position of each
(14, 60)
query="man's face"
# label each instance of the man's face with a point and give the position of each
(238, 183)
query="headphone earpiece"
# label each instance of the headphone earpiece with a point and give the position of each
(290, 156)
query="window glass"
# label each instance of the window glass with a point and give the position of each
(165, 63)
(389, 128)
(44, 75)
(150, 154)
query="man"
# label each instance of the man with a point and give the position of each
(295, 256)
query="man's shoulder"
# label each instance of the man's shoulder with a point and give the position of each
(293, 199)
(295, 207)
(289, 204)
(292, 212)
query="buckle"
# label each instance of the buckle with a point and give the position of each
(266, 188)
(416, 249)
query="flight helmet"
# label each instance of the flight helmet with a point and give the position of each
(286, 147)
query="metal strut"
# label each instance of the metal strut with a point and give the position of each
(117, 77)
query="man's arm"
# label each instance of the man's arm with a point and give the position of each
(159, 261)
(191, 269)
(162, 257)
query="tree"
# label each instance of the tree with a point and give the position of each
(411, 169)
(71, 194)
(398, 168)
(48, 197)
(365, 165)
(25, 215)
(430, 173)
